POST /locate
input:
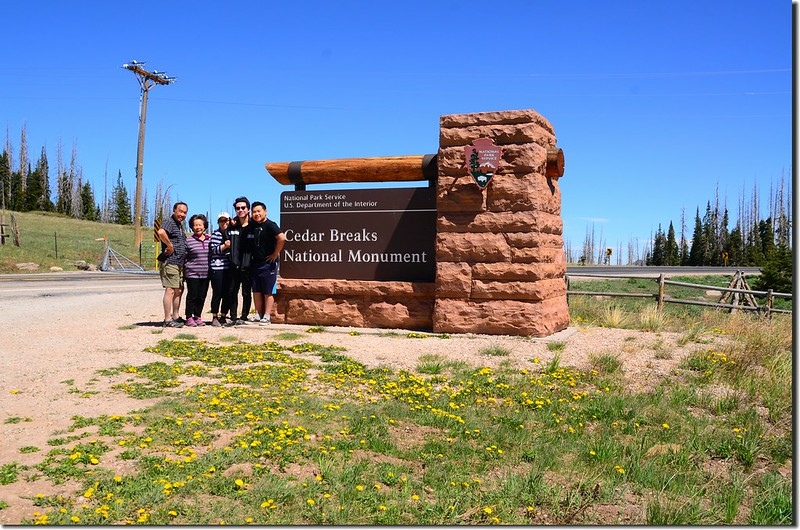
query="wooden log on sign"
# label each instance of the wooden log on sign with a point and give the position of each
(555, 163)
(376, 169)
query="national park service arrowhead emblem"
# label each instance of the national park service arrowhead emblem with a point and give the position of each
(483, 159)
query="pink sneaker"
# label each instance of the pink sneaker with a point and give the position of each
(199, 321)
(190, 322)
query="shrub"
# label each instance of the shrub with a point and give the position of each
(777, 272)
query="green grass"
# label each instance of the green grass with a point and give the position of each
(606, 363)
(495, 351)
(53, 240)
(9, 473)
(289, 335)
(16, 419)
(434, 364)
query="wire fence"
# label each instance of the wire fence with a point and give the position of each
(116, 261)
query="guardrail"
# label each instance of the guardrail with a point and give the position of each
(738, 286)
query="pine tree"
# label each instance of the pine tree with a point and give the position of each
(753, 245)
(5, 179)
(696, 252)
(709, 235)
(658, 257)
(32, 191)
(753, 248)
(90, 210)
(735, 247)
(722, 237)
(121, 203)
(17, 192)
(767, 236)
(777, 272)
(8, 151)
(37, 190)
(672, 252)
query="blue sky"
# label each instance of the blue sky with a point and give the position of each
(655, 104)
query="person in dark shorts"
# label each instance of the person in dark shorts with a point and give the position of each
(268, 241)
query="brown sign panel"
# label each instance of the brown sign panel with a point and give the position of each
(365, 234)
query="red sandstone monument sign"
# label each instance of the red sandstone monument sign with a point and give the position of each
(499, 264)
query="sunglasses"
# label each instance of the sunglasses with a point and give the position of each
(241, 207)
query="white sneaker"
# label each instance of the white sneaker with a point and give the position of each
(265, 321)
(253, 318)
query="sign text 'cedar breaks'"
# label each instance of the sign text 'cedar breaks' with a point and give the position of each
(375, 234)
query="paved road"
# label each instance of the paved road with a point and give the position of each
(20, 286)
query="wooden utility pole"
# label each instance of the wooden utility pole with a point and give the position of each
(147, 80)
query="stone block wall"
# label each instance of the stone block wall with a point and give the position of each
(500, 262)
(357, 303)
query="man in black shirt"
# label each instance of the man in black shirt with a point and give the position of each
(238, 240)
(268, 241)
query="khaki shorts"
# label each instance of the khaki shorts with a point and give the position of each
(171, 275)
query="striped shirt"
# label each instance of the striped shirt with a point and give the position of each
(177, 236)
(220, 261)
(197, 249)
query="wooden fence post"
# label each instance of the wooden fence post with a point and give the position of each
(768, 305)
(660, 292)
(15, 230)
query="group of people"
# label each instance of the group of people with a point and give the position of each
(241, 254)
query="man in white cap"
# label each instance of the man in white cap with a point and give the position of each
(221, 276)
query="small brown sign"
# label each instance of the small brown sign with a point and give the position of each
(365, 234)
(483, 159)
